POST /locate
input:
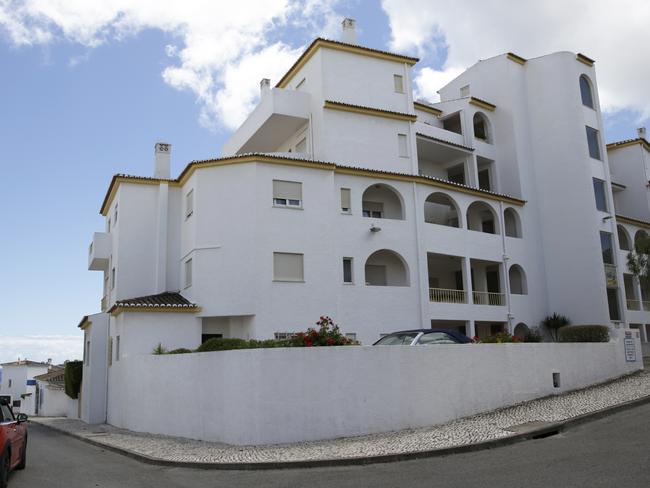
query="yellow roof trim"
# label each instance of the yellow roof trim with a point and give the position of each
(304, 163)
(376, 112)
(119, 179)
(516, 59)
(619, 145)
(427, 108)
(118, 310)
(340, 46)
(585, 60)
(482, 103)
(631, 221)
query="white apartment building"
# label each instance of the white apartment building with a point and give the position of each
(341, 195)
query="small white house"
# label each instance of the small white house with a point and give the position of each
(18, 377)
(46, 397)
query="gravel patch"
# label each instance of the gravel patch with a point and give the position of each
(469, 430)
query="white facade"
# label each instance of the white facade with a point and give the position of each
(477, 213)
(17, 377)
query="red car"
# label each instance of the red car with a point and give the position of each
(13, 441)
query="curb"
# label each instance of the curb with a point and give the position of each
(539, 433)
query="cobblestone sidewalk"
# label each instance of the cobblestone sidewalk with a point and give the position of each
(470, 430)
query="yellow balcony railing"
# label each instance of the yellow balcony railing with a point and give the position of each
(447, 296)
(488, 298)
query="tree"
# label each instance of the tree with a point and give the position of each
(553, 322)
(637, 260)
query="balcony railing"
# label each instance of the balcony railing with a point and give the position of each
(488, 298)
(633, 304)
(447, 296)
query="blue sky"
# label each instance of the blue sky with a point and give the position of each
(75, 110)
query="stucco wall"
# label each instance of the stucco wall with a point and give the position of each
(261, 396)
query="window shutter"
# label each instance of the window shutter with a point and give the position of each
(287, 266)
(345, 198)
(289, 190)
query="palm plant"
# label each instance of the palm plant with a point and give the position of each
(553, 322)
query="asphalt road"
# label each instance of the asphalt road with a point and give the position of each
(611, 452)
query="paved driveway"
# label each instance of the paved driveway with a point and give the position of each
(611, 452)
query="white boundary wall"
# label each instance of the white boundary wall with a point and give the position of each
(267, 396)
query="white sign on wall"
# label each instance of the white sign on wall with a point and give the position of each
(630, 347)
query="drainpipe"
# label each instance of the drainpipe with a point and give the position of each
(506, 276)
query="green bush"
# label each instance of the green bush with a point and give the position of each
(327, 334)
(73, 374)
(223, 344)
(584, 333)
(180, 350)
(553, 323)
(499, 338)
(533, 335)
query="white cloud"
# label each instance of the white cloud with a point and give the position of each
(221, 51)
(428, 81)
(614, 35)
(41, 348)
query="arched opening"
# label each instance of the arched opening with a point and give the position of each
(482, 128)
(511, 222)
(482, 218)
(442, 210)
(520, 331)
(386, 268)
(381, 201)
(640, 234)
(623, 238)
(517, 278)
(586, 92)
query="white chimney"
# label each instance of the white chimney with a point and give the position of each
(641, 132)
(265, 87)
(162, 160)
(349, 32)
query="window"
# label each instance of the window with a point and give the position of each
(606, 246)
(188, 273)
(347, 270)
(9, 385)
(115, 218)
(402, 146)
(113, 278)
(481, 127)
(586, 93)
(301, 147)
(484, 179)
(301, 85)
(5, 413)
(456, 174)
(288, 266)
(612, 303)
(435, 338)
(287, 194)
(87, 353)
(599, 192)
(373, 209)
(464, 91)
(593, 142)
(117, 348)
(109, 224)
(110, 351)
(189, 204)
(398, 81)
(346, 206)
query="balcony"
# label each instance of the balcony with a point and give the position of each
(444, 295)
(488, 298)
(99, 252)
(278, 116)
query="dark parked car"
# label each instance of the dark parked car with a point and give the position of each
(13, 441)
(423, 337)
